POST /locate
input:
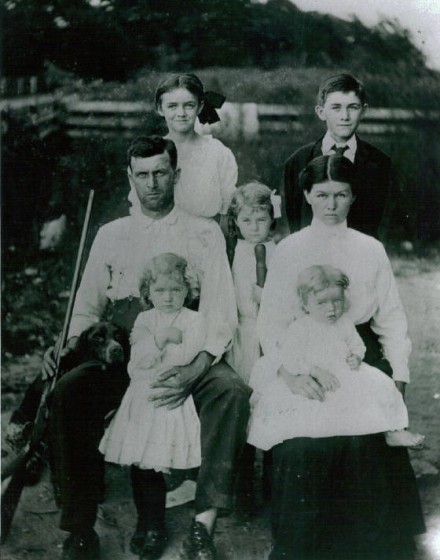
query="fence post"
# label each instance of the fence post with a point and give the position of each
(250, 123)
(33, 85)
(20, 86)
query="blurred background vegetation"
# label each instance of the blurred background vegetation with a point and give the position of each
(117, 40)
(252, 52)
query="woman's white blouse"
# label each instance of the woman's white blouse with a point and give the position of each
(372, 292)
(207, 179)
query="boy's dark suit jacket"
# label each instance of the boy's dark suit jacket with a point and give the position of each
(373, 170)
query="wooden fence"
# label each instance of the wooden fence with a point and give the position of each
(238, 120)
(16, 87)
(245, 121)
(44, 111)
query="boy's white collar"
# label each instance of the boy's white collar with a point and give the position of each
(328, 142)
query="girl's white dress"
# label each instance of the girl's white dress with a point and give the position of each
(207, 179)
(366, 402)
(142, 434)
(245, 350)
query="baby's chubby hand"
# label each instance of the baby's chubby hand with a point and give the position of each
(354, 361)
(174, 335)
(170, 334)
(256, 293)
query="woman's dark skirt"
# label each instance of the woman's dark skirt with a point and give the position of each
(345, 498)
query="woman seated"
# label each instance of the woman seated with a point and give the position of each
(340, 496)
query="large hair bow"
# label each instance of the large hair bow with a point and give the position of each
(211, 102)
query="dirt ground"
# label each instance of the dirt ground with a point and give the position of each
(35, 533)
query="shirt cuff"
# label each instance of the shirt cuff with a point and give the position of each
(79, 324)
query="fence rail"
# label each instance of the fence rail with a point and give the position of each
(238, 120)
(246, 120)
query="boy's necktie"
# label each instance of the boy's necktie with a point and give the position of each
(339, 151)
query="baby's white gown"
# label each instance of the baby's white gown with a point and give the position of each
(142, 434)
(245, 350)
(366, 402)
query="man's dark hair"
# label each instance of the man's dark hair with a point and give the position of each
(148, 146)
(341, 82)
(328, 168)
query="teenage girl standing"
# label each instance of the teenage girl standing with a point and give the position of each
(208, 168)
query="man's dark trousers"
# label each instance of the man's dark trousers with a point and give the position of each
(82, 399)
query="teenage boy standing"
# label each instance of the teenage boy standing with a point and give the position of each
(341, 105)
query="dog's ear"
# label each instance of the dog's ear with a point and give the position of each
(82, 344)
(73, 357)
(122, 336)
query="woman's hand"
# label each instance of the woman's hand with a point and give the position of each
(326, 379)
(304, 385)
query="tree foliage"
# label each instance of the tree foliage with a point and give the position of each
(111, 39)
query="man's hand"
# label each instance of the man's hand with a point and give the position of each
(175, 384)
(354, 361)
(303, 385)
(49, 366)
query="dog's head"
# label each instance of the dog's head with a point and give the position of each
(105, 342)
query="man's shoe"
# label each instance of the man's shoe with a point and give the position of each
(154, 544)
(199, 545)
(81, 546)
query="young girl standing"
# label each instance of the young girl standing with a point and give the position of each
(208, 168)
(325, 344)
(156, 439)
(252, 211)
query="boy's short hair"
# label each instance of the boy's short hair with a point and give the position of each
(317, 278)
(148, 146)
(341, 82)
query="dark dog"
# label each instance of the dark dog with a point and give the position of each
(102, 341)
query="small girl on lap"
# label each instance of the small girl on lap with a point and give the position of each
(324, 343)
(155, 438)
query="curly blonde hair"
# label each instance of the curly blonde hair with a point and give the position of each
(253, 194)
(168, 264)
(317, 278)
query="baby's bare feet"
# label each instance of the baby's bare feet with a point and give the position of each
(405, 438)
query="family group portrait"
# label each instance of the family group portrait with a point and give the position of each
(220, 280)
